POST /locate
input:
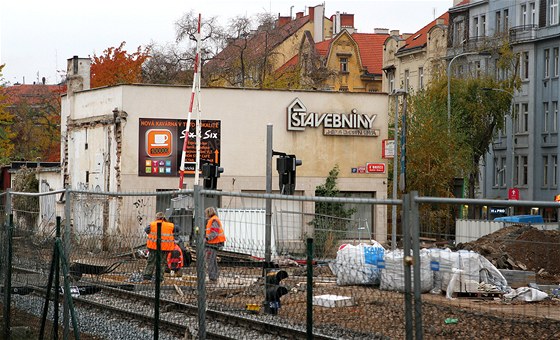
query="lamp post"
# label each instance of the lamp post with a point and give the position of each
(395, 94)
(449, 81)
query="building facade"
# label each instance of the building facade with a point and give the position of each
(130, 137)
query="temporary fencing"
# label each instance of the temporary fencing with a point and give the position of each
(320, 265)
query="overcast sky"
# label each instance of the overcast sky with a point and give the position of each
(38, 36)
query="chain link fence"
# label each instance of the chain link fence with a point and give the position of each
(310, 265)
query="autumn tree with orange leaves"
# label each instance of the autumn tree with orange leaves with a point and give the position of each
(117, 66)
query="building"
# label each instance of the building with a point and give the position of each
(250, 60)
(524, 157)
(129, 138)
(349, 62)
(411, 60)
(309, 52)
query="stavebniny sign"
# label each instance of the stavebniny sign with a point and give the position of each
(334, 124)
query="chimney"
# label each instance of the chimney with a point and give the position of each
(319, 22)
(347, 20)
(381, 30)
(283, 21)
(311, 14)
(299, 15)
(78, 74)
(395, 33)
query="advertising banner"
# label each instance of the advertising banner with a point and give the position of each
(160, 145)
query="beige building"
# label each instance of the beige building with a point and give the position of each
(411, 60)
(129, 138)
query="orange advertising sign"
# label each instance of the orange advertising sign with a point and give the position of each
(159, 143)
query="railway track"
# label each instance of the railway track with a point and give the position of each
(181, 319)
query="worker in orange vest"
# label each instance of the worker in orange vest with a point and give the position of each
(168, 230)
(215, 239)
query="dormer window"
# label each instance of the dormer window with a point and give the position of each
(344, 64)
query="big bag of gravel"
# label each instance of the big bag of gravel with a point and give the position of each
(392, 276)
(357, 265)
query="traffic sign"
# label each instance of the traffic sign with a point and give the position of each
(513, 194)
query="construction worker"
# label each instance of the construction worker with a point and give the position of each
(168, 230)
(215, 239)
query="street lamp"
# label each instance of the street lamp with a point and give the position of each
(449, 80)
(396, 93)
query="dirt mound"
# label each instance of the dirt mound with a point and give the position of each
(522, 248)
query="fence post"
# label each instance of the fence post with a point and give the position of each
(158, 281)
(407, 263)
(8, 278)
(415, 231)
(309, 288)
(200, 260)
(67, 244)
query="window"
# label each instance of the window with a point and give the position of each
(343, 88)
(555, 62)
(420, 78)
(458, 32)
(522, 118)
(554, 116)
(497, 172)
(503, 172)
(498, 22)
(546, 63)
(525, 174)
(545, 117)
(406, 80)
(475, 27)
(391, 76)
(533, 13)
(516, 171)
(554, 170)
(506, 20)
(545, 171)
(477, 69)
(523, 19)
(525, 117)
(525, 65)
(483, 25)
(553, 19)
(344, 65)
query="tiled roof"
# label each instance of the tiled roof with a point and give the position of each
(33, 94)
(420, 38)
(371, 50)
(322, 47)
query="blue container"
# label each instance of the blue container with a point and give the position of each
(521, 219)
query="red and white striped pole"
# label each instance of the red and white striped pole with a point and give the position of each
(193, 92)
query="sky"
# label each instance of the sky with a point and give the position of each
(37, 36)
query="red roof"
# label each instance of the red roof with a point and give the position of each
(33, 94)
(420, 38)
(371, 50)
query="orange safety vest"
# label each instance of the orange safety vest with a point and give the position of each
(221, 238)
(167, 239)
(175, 258)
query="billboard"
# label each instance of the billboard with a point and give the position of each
(160, 145)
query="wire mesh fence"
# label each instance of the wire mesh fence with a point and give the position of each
(315, 264)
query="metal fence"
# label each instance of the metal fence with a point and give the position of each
(309, 263)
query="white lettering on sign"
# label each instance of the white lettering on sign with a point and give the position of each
(375, 167)
(299, 119)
